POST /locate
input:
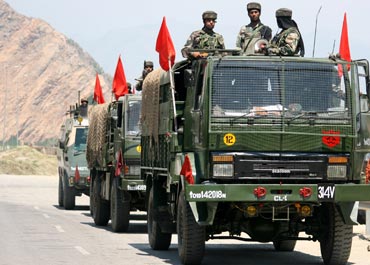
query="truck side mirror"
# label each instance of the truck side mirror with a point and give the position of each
(188, 78)
(364, 103)
(61, 144)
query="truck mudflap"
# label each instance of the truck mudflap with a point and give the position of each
(133, 185)
(277, 192)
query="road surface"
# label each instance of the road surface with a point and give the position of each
(34, 230)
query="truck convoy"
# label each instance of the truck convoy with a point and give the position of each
(264, 148)
(72, 166)
(113, 155)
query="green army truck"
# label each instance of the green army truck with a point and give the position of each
(113, 155)
(73, 173)
(256, 148)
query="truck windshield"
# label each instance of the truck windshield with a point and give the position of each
(80, 140)
(133, 118)
(260, 88)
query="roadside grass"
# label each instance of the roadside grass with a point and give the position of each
(25, 160)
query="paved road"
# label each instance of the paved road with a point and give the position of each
(34, 230)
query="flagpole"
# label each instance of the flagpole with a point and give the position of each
(172, 82)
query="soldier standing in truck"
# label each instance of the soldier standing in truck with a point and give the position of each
(83, 107)
(288, 41)
(148, 67)
(205, 38)
(254, 31)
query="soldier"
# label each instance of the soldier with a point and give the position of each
(205, 38)
(83, 107)
(254, 31)
(148, 67)
(129, 87)
(289, 40)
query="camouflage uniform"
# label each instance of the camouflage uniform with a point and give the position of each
(248, 36)
(251, 33)
(289, 41)
(204, 38)
(286, 42)
(146, 71)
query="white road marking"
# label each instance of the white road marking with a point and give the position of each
(82, 250)
(59, 228)
(46, 215)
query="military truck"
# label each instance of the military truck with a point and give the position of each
(72, 166)
(113, 155)
(264, 148)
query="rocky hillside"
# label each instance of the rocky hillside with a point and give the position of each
(41, 73)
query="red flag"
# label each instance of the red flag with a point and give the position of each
(367, 172)
(186, 170)
(344, 50)
(119, 163)
(98, 94)
(119, 81)
(164, 47)
(77, 174)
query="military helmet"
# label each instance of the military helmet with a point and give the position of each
(254, 5)
(209, 15)
(283, 12)
(148, 63)
(84, 100)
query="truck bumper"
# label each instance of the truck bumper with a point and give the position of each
(277, 192)
(204, 198)
(133, 185)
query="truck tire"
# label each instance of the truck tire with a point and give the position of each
(157, 239)
(191, 236)
(336, 242)
(119, 208)
(69, 198)
(284, 245)
(100, 206)
(60, 192)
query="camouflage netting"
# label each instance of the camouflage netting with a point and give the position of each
(150, 104)
(98, 116)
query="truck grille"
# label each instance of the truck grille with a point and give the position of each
(278, 166)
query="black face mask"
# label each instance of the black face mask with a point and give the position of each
(285, 22)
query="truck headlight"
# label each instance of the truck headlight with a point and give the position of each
(337, 168)
(337, 171)
(133, 170)
(223, 170)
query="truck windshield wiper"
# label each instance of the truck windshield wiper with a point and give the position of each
(303, 114)
(239, 117)
(78, 152)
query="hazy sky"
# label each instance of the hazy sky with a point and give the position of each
(107, 28)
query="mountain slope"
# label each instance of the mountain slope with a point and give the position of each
(41, 73)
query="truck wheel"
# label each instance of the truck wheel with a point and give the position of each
(69, 199)
(119, 208)
(157, 239)
(191, 236)
(100, 206)
(336, 242)
(60, 192)
(284, 245)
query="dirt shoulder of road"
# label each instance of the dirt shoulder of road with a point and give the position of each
(25, 160)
